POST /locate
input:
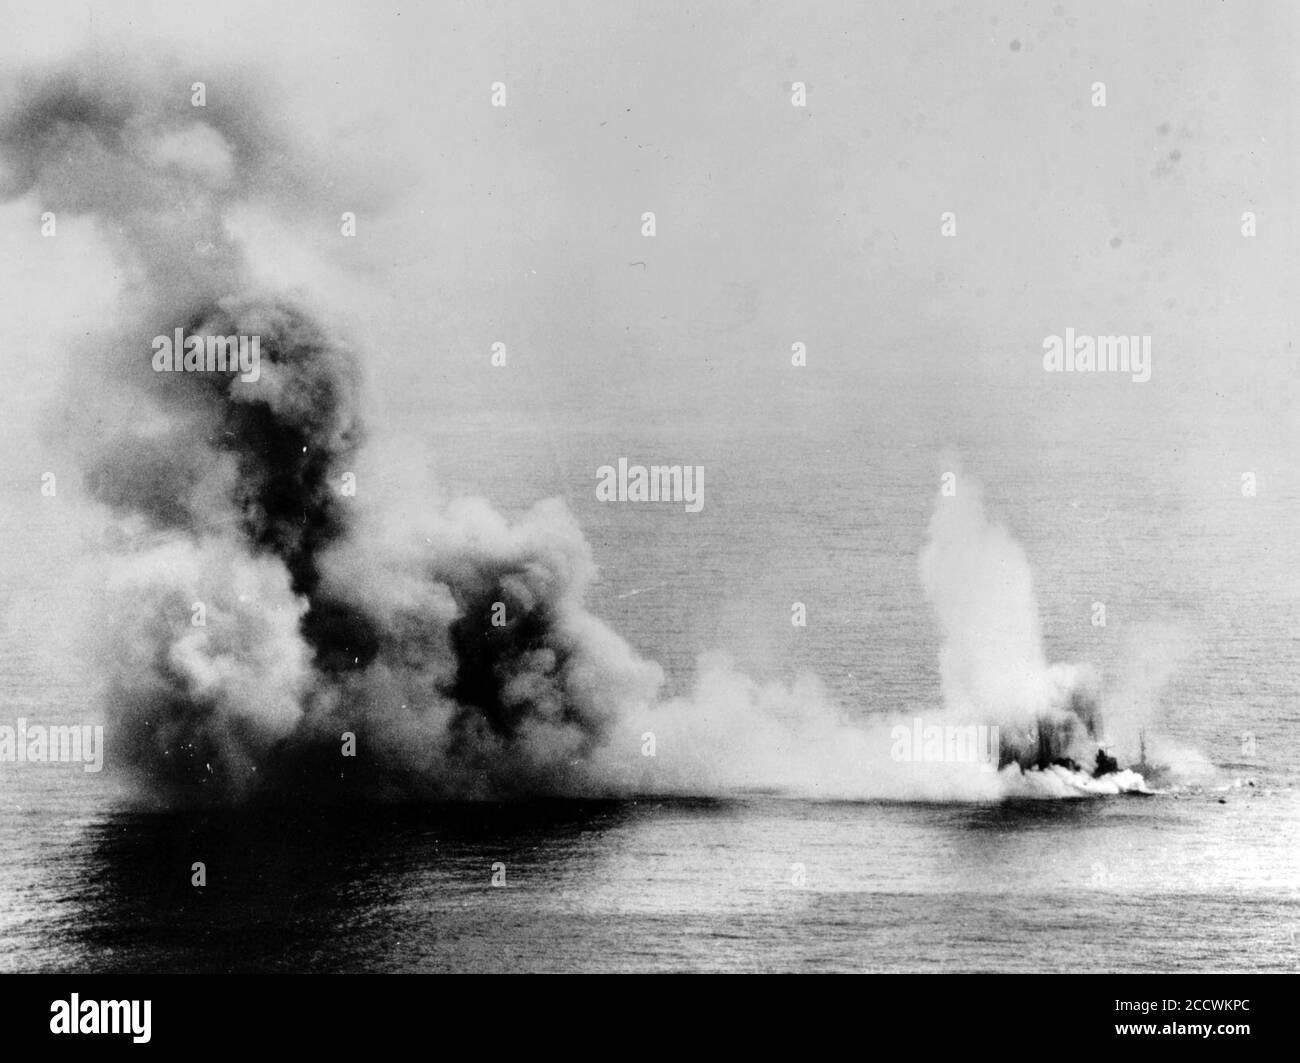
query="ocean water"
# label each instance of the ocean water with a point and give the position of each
(1133, 884)
(1203, 878)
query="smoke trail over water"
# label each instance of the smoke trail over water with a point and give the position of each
(260, 613)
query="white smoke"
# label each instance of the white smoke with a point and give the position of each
(731, 733)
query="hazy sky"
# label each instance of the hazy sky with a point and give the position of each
(775, 224)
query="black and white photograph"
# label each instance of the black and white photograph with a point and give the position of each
(744, 487)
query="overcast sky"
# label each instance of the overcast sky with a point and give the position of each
(775, 224)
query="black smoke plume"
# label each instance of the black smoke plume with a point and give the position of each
(465, 668)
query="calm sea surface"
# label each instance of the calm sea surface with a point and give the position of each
(1206, 879)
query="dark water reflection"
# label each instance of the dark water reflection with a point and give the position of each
(294, 889)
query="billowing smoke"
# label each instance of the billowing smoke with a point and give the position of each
(1011, 724)
(259, 627)
(264, 620)
(992, 663)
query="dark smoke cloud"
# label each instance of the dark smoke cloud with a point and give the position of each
(229, 493)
